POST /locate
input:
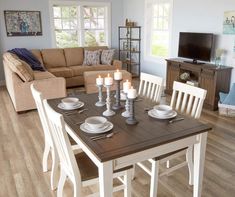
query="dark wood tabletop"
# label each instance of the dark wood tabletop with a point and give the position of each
(128, 139)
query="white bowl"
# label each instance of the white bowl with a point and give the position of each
(163, 110)
(70, 101)
(95, 122)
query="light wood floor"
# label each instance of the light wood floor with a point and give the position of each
(21, 147)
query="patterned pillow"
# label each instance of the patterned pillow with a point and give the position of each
(107, 56)
(91, 58)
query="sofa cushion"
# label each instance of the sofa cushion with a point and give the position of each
(91, 57)
(79, 70)
(107, 56)
(61, 72)
(53, 58)
(20, 67)
(37, 54)
(73, 56)
(42, 75)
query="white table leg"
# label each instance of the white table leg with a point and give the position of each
(199, 159)
(105, 179)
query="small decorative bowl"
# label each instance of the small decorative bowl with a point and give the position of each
(70, 101)
(95, 122)
(163, 110)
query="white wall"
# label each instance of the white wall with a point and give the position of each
(45, 41)
(192, 16)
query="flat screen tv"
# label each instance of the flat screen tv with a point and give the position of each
(195, 46)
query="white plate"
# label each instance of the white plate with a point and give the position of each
(79, 105)
(153, 114)
(106, 128)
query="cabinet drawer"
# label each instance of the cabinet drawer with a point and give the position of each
(174, 65)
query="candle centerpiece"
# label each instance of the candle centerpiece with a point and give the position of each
(99, 84)
(132, 94)
(126, 87)
(108, 82)
(118, 79)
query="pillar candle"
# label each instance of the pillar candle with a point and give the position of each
(108, 80)
(117, 75)
(99, 81)
(132, 93)
(126, 86)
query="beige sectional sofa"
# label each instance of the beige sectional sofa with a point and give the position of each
(64, 69)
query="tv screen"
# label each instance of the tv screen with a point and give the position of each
(196, 46)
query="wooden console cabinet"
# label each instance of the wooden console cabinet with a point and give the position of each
(208, 76)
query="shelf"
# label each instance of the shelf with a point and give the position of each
(130, 51)
(130, 63)
(130, 27)
(131, 39)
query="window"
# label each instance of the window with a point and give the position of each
(80, 24)
(158, 28)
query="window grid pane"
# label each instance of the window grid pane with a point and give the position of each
(160, 30)
(69, 30)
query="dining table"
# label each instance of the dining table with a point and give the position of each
(130, 144)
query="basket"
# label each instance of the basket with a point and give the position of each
(226, 110)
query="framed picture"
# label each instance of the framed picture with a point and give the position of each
(229, 22)
(23, 23)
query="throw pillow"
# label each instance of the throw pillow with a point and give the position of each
(230, 99)
(222, 96)
(107, 56)
(91, 58)
(20, 67)
(28, 57)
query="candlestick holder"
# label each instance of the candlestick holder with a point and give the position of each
(118, 105)
(131, 119)
(108, 112)
(126, 113)
(100, 103)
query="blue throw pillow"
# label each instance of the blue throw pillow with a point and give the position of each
(28, 57)
(222, 96)
(230, 99)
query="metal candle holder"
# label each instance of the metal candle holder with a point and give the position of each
(108, 112)
(118, 105)
(100, 103)
(126, 113)
(131, 119)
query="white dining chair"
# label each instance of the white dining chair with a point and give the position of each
(185, 99)
(78, 167)
(151, 86)
(38, 98)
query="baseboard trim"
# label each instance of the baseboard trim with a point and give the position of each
(2, 83)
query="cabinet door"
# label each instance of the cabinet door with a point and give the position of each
(172, 75)
(207, 82)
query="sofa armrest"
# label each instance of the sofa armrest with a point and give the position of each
(117, 64)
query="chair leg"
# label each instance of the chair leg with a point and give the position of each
(127, 179)
(168, 164)
(133, 172)
(154, 179)
(61, 183)
(76, 188)
(45, 156)
(54, 168)
(189, 159)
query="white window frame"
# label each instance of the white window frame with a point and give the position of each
(148, 30)
(107, 25)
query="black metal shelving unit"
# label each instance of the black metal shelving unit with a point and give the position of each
(130, 48)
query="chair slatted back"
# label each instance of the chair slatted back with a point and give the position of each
(38, 98)
(150, 86)
(188, 99)
(62, 143)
